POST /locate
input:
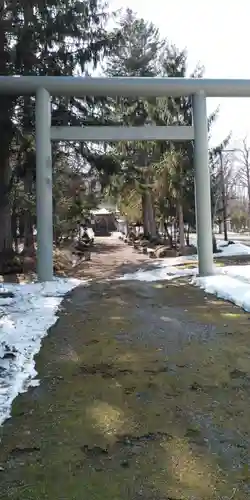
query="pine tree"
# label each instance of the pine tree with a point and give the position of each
(138, 54)
(162, 172)
(52, 38)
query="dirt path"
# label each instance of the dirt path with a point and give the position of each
(144, 394)
(110, 257)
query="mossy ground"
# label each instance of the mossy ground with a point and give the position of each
(130, 407)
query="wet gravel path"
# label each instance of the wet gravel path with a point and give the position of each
(144, 394)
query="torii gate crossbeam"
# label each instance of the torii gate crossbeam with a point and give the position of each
(43, 87)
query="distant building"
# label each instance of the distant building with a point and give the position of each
(104, 221)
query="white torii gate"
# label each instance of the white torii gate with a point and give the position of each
(45, 86)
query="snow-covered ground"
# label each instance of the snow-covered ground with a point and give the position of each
(25, 318)
(230, 282)
(237, 238)
(227, 287)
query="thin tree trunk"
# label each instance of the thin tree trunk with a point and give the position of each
(21, 226)
(170, 236)
(181, 226)
(152, 222)
(149, 223)
(161, 227)
(214, 244)
(6, 249)
(14, 228)
(145, 215)
(172, 232)
(29, 244)
(188, 235)
(175, 234)
(6, 229)
(248, 190)
(214, 211)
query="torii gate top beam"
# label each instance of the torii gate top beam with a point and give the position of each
(143, 87)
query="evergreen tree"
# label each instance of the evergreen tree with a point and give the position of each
(162, 172)
(54, 38)
(138, 54)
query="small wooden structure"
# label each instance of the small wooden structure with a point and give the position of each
(103, 222)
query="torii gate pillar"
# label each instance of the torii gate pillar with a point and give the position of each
(44, 196)
(202, 186)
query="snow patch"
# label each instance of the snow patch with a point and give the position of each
(232, 250)
(227, 288)
(230, 283)
(165, 269)
(25, 319)
(158, 274)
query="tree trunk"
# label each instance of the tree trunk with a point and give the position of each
(181, 226)
(151, 212)
(29, 244)
(248, 190)
(162, 227)
(14, 228)
(149, 223)
(21, 226)
(6, 230)
(214, 210)
(6, 249)
(145, 215)
(175, 234)
(214, 244)
(188, 235)
(170, 236)
(29, 247)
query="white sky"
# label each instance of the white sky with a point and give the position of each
(216, 33)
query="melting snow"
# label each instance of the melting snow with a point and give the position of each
(227, 288)
(25, 319)
(230, 282)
